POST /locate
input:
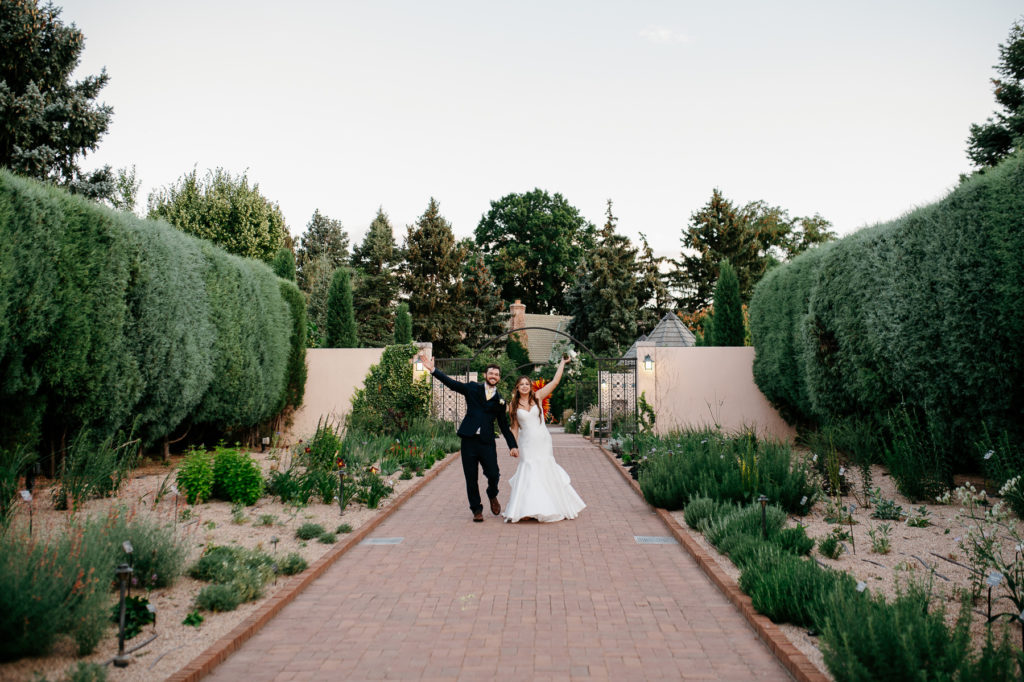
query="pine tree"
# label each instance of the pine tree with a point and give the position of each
(484, 307)
(403, 324)
(318, 279)
(284, 264)
(652, 288)
(432, 277)
(1003, 133)
(718, 231)
(324, 237)
(727, 325)
(604, 300)
(341, 324)
(376, 284)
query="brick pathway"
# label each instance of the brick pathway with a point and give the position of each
(469, 601)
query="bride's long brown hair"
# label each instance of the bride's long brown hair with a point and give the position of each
(513, 404)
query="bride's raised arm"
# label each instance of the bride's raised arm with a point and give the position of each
(546, 390)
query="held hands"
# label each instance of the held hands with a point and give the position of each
(514, 452)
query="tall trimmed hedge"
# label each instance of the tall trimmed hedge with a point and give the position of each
(923, 311)
(106, 320)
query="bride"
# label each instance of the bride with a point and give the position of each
(540, 487)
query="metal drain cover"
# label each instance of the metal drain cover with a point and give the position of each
(382, 541)
(654, 540)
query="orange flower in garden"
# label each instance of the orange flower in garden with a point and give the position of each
(546, 403)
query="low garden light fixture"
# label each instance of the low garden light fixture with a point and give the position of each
(764, 515)
(128, 549)
(648, 363)
(264, 442)
(123, 573)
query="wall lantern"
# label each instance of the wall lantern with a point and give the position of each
(418, 364)
(648, 363)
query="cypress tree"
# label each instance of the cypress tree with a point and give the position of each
(432, 277)
(376, 285)
(284, 264)
(403, 325)
(727, 328)
(484, 319)
(341, 323)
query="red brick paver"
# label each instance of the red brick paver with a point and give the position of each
(460, 600)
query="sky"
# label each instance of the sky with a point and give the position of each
(858, 111)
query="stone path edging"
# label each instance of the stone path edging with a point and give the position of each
(798, 665)
(216, 653)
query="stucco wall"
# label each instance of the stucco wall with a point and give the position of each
(697, 387)
(334, 374)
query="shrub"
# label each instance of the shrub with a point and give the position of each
(745, 521)
(885, 509)
(343, 528)
(236, 476)
(915, 457)
(791, 589)
(218, 597)
(291, 564)
(327, 538)
(308, 531)
(295, 383)
(795, 541)
(340, 320)
(84, 671)
(372, 489)
(698, 509)
(244, 571)
(93, 468)
(158, 556)
(136, 615)
(13, 464)
(195, 476)
(390, 386)
(831, 545)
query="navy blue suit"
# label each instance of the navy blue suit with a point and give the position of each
(477, 434)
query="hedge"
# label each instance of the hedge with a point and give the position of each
(106, 320)
(922, 312)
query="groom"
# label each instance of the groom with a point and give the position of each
(483, 406)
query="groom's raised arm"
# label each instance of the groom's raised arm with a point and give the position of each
(457, 386)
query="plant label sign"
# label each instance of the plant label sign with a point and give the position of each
(26, 495)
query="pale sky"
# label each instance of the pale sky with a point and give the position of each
(858, 111)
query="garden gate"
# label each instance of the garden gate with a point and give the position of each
(616, 381)
(446, 404)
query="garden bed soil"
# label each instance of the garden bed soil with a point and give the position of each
(212, 523)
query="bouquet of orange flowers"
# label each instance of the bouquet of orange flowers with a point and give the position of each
(546, 403)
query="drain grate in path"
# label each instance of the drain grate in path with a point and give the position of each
(382, 541)
(654, 540)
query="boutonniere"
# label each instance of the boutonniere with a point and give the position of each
(501, 401)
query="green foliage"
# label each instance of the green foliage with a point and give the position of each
(223, 209)
(376, 284)
(743, 521)
(136, 615)
(308, 531)
(604, 300)
(49, 121)
(885, 509)
(432, 277)
(389, 393)
(916, 457)
(295, 372)
(158, 556)
(869, 319)
(219, 597)
(728, 327)
(791, 589)
(690, 464)
(343, 528)
(340, 321)
(403, 325)
(533, 243)
(795, 541)
(1003, 135)
(13, 465)
(326, 538)
(880, 543)
(236, 476)
(323, 246)
(195, 476)
(484, 309)
(291, 564)
(1003, 462)
(698, 509)
(193, 619)
(831, 545)
(84, 671)
(284, 264)
(864, 638)
(93, 468)
(371, 489)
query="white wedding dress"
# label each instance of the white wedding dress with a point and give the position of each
(540, 487)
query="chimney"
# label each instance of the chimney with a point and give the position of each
(517, 320)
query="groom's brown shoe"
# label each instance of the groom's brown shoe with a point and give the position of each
(478, 517)
(495, 507)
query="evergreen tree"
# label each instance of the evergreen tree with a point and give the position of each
(324, 237)
(652, 288)
(718, 231)
(48, 122)
(341, 323)
(432, 277)
(284, 264)
(318, 279)
(224, 209)
(727, 323)
(376, 285)
(403, 324)
(998, 137)
(484, 307)
(604, 300)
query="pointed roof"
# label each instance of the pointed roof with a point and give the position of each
(670, 331)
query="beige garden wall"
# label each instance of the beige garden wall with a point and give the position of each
(333, 376)
(697, 387)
